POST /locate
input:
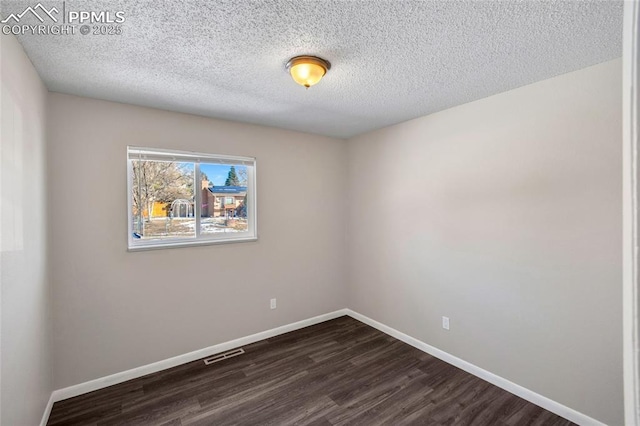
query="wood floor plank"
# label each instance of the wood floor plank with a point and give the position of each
(162, 411)
(94, 405)
(398, 407)
(375, 397)
(339, 372)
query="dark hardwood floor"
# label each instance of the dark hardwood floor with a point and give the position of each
(340, 372)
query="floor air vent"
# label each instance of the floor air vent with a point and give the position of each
(220, 357)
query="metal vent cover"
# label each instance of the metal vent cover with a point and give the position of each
(220, 357)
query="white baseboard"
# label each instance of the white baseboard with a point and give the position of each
(522, 392)
(103, 382)
(47, 412)
(134, 373)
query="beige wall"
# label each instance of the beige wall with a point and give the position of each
(25, 350)
(506, 218)
(115, 310)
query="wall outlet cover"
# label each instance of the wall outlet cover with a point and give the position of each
(445, 323)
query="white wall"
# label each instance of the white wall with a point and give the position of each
(115, 310)
(25, 350)
(505, 215)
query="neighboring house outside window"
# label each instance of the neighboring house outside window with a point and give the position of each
(220, 203)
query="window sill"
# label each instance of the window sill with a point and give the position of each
(178, 244)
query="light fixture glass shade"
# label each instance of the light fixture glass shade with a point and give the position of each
(307, 70)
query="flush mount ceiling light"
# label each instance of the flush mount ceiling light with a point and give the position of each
(307, 70)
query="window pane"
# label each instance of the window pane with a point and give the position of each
(162, 200)
(224, 198)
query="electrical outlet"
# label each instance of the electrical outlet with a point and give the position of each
(273, 303)
(445, 323)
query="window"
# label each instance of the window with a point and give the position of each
(175, 198)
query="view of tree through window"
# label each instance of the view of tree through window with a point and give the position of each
(162, 199)
(167, 204)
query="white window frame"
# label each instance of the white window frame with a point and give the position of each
(135, 153)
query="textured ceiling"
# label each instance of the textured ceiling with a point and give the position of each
(391, 60)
